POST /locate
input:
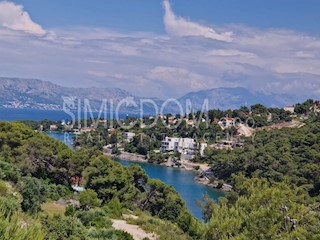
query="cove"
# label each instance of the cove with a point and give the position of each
(182, 180)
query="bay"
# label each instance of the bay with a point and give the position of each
(182, 180)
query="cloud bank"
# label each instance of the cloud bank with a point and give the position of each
(13, 16)
(190, 57)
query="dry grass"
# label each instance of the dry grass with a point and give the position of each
(52, 208)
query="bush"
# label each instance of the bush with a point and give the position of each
(97, 218)
(9, 172)
(114, 208)
(71, 210)
(115, 151)
(89, 199)
(3, 188)
(64, 228)
(9, 205)
(34, 193)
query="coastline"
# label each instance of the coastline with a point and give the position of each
(185, 165)
(133, 157)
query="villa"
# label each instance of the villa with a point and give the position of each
(177, 144)
(128, 136)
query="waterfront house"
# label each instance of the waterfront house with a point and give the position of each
(128, 136)
(53, 127)
(177, 144)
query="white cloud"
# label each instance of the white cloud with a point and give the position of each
(13, 16)
(230, 53)
(178, 76)
(305, 54)
(182, 27)
(155, 65)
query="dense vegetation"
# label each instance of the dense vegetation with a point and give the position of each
(36, 169)
(277, 154)
(275, 178)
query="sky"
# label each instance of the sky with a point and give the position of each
(164, 48)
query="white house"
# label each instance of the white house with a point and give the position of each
(289, 109)
(53, 127)
(177, 144)
(226, 122)
(128, 136)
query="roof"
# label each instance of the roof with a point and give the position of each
(78, 189)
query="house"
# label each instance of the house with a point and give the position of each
(87, 129)
(128, 136)
(226, 122)
(190, 122)
(172, 120)
(289, 109)
(53, 127)
(316, 107)
(177, 144)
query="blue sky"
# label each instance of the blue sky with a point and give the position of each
(146, 15)
(164, 48)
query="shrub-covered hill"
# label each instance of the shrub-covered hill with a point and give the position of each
(40, 168)
(36, 171)
(276, 155)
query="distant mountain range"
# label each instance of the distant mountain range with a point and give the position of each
(37, 94)
(233, 98)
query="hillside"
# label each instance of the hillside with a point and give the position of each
(33, 93)
(38, 94)
(36, 173)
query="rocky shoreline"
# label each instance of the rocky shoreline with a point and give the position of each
(185, 165)
(133, 157)
(224, 187)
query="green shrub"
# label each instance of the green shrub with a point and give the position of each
(114, 208)
(94, 217)
(3, 188)
(89, 199)
(9, 172)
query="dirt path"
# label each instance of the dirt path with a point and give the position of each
(292, 124)
(134, 230)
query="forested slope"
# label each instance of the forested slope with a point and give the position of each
(269, 201)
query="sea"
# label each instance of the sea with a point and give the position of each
(182, 180)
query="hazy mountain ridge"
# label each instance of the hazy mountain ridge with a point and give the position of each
(233, 98)
(32, 93)
(38, 94)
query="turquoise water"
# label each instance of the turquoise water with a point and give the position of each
(182, 180)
